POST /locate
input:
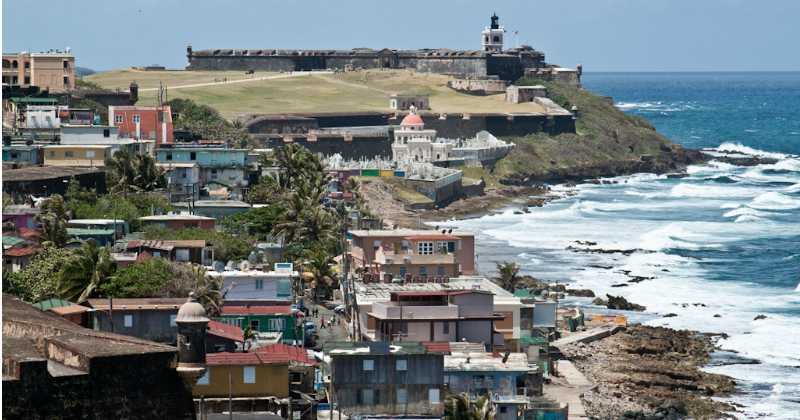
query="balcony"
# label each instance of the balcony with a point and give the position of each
(408, 257)
(390, 310)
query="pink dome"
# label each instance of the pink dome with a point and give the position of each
(412, 119)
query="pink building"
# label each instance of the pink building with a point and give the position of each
(414, 254)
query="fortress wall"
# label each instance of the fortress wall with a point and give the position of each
(505, 67)
(243, 63)
(360, 147)
(352, 119)
(452, 65)
(339, 63)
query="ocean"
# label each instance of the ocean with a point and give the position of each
(719, 246)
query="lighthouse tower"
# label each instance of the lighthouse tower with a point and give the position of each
(492, 36)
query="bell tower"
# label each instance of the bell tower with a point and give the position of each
(492, 36)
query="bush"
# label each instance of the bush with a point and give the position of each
(39, 279)
(227, 247)
(143, 279)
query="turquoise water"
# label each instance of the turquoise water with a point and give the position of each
(719, 246)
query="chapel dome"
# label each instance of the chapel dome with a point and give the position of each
(412, 119)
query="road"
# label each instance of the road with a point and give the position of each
(252, 79)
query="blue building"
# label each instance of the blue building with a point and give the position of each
(220, 167)
(23, 154)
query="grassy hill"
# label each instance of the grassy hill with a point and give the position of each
(307, 92)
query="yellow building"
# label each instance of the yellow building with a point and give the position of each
(244, 375)
(53, 70)
(77, 155)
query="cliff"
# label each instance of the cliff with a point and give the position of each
(608, 142)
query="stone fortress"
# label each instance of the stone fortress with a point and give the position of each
(492, 60)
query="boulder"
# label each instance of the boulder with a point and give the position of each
(619, 302)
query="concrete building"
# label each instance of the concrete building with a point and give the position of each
(244, 375)
(191, 251)
(119, 225)
(453, 315)
(178, 221)
(280, 319)
(504, 303)
(518, 94)
(257, 286)
(53, 71)
(507, 379)
(221, 166)
(54, 368)
(402, 102)
(421, 252)
(93, 156)
(97, 135)
(183, 180)
(147, 318)
(385, 379)
(217, 209)
(143, 123)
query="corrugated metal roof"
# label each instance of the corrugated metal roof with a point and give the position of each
(51, 303)
(294, 353)
(221, 329)
(20, 251)
(227, 359)
(12, 241)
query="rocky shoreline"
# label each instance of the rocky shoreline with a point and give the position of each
(651, 373)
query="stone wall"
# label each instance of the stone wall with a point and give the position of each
(478, 86)
(356, 148)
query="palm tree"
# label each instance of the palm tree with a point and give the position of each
(148, 176)
(319, 263)
(54, 230)
(121, 171)
(247, 335)
(207, 290)
(83, 273)
(508, 275)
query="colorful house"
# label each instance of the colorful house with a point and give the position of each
(243, 375)
(77, 155)
(143, 122)
(266, 319)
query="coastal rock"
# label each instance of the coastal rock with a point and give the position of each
(619, 302)
(759, 317)
(580, 292)
(670, 315)
(599, 301)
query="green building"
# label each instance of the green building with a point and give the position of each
(280, 319)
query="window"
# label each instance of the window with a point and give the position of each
(193, 155)
(169, 156)
(182, 254)
(27, 64)
(376, 243)
(119, 119)
(451, 246)
(433, 395)
(425, 248)
(504, 409)
(106, 132)
(277, 324)
(66, 81)
(172, 320)
(440, 270)
(254, 324)
(128, 321)
(367, 396)
(14, 155)
(401, 365)
(496, 39)
(137, 119)
(423, 271)
(445, 328)
(205, 378)
(69, 153)
(66, 64)
(402, 396)
(369, 365)
(249, 374)
(402, 271)
(441, 246)
(90, 154)
(27, 80)
(259, 284)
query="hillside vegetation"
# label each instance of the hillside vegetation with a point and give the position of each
(608, 142)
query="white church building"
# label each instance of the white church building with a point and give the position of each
(413, 143)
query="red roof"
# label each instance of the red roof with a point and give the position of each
(437, 347)
(226, 358)
(20, 251)
(223, 330)
(293, 353)
(433, 237)
(28, 233)
(256, 310)
(412, 119)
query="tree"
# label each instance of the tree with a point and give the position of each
(227, 247)
(87, 270)
(133, 172)
(53, 220)
(508, 275)
(319, 263)
(39, 279)
(207, 290)
(143, 279)
(459, 407)
(258, 221)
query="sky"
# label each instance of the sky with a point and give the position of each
(603, 35)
